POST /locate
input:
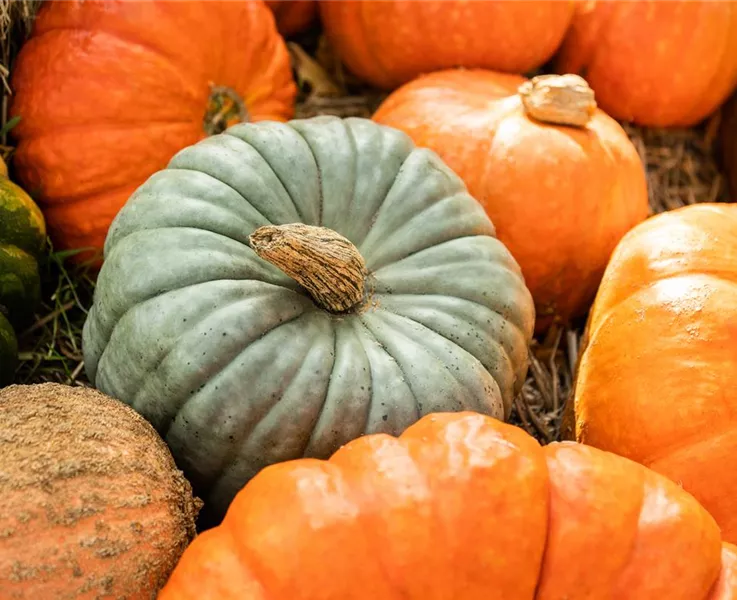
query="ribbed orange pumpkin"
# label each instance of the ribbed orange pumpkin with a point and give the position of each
(658, 371)
(293, 16)
(461, 507)
(388, 43)
(561, 196)
(108, 91)
(655, 63)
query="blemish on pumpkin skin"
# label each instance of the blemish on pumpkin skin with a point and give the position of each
(136, 527)
(24, 517)
(20, 572)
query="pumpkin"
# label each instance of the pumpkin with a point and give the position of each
(659, 358)
(728, 135)
(281, 289)
(659, 64)
(107, 92)
(389, 43)
(293, 16)
(91, 504)
(559, 179)
(460, 506)
(22, 239)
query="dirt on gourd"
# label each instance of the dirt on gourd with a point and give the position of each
(85, 469)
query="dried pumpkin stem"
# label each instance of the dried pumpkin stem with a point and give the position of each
(322, 261)
(225, 108)
(559, 99)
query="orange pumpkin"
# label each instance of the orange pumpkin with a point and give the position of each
(729, 143)
(658, 371)
(293, 16)
(108, 92)
(388, 43)
(655, 63)
(560, 179)
(459, 506)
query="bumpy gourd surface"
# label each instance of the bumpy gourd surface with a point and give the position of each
(235, 366)
(22, 236)
(460, 507)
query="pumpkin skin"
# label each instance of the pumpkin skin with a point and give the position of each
(389, 43)
(293, 16)
(22, 239)
(728, 135)
(660, 64)
(561, 197)
(659, 355)
(109, 91)
(91, 504)
(185, 312)
(460, 506)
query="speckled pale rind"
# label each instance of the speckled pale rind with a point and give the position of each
(235, 366)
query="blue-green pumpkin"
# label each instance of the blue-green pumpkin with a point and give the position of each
(22, 239)
(401, 301)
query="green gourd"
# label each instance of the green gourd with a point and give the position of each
(399, 302)
(22, 238)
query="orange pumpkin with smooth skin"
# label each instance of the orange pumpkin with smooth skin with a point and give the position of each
(459, 506)
(560, 196)
(390, 42)
(293, 16)
(658, 371)
(655, 63)
(108, 91)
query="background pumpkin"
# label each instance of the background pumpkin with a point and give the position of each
(108, 91)
(389, 43)
(91, 504)
(728, 135)
(659, 359)
(22, 239)
(560, 180)
(658, 64)
(293, 16)
(185, 311)
(460, 506)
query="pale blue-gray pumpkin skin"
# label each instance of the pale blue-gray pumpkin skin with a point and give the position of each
(234, 364)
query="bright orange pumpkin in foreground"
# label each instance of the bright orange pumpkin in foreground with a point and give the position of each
(389, 42)
(109, 91)
(292, 16)
(464, 507)
(658, 373)
(655, 63)
(560, 179)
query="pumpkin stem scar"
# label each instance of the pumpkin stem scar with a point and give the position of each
(225, 108)
(560, 99)
(322, 261)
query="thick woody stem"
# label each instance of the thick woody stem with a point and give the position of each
(322, 261)
(559, 99)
